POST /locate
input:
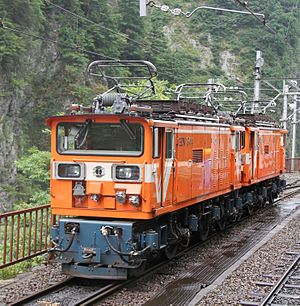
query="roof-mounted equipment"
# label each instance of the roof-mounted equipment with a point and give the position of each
(123, 87)
(231, 102)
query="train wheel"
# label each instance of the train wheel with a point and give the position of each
(239, 215)
(233, 218)
(203, 229)
(171, 250)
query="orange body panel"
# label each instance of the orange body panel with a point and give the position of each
(197, 161)
(263, 155)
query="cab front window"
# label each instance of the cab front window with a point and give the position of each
(93, 138)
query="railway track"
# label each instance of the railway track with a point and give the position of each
(60, 292)
(90, 292)
(66, 292)
(72, 291)
(289, 194)
(287, 290)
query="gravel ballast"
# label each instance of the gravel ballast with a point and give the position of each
(241, 284)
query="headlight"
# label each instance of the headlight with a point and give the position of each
(69, 171)
(130, 173)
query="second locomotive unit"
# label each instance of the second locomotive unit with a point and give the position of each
(134, 178)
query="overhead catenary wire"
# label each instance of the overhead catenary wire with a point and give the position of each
(244, 5)
(148, 49)
(62, 45)
(95, 23)
(276, 34)
(49, 40)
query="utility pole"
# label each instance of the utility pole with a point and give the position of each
(143, 8)
(285, 105)
(257, 78)
(294, 123)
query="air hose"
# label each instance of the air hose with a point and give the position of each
(105, 231)
(56, 249)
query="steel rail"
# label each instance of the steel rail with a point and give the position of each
(287, 195)
(108, 289)
(280, 284)
(100, 294)
(43, 292)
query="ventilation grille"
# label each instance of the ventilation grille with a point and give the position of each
(266, 149)
(198, 156)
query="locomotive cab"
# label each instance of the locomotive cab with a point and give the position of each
(98, 166)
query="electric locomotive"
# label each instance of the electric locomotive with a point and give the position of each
(133, 178)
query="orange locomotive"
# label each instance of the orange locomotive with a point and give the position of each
(137, 178)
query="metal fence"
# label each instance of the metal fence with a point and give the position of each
(292, 164)
(24, 234)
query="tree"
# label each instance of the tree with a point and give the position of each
(33, 178)
(132, 25)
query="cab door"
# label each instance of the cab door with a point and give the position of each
(254, 141)
(236, 166)
(254, 153)
(167, 169)
(157, 166)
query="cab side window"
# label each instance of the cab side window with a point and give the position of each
(169, 143)
(156, 142)
(242, 139)
(237, 141)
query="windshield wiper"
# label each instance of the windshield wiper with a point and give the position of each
(81, 135)
(128, 129)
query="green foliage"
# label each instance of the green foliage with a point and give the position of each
(161, 89)
(47, 77)
(24, 14)
(183, 50)
(10, 46)
(13, 271)
(132, 26)
(33, 178)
